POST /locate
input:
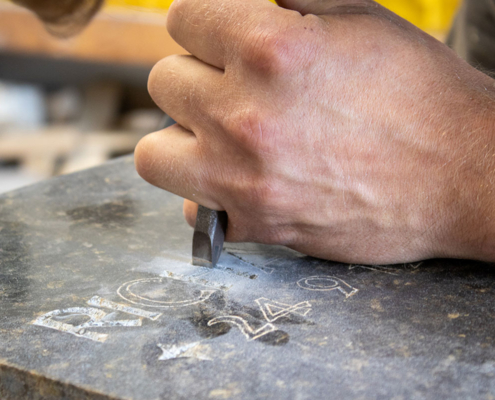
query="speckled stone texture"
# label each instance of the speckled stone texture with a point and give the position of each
(98, 300)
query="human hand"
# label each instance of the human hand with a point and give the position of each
(333, 127)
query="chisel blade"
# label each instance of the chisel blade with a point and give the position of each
(209, 235)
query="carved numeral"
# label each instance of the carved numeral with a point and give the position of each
(243, 325)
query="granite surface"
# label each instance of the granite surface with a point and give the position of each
(98, 300)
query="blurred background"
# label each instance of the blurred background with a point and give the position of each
(70, 104)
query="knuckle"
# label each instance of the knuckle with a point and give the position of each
(251, 128)
(268, 51)
(284, 47)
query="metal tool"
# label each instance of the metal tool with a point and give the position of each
(209, 235)
(209, 232)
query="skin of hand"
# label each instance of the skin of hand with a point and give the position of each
(332, 127)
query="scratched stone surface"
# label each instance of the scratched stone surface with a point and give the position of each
(99, 300)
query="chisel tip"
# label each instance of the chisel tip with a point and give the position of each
(209, 235)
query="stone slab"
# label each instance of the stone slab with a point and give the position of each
(98, 300)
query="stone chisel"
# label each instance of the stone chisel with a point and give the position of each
(209, 232)
(209, 235)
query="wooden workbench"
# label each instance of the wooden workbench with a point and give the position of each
(115, 36)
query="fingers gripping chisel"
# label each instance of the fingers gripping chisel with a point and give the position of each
(209, 235)
(209, 232)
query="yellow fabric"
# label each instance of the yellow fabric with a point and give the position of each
(153, 4)
(432, 15)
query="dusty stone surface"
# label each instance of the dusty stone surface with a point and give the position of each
(99, 300)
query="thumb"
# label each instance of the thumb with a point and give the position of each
(190, 210)
(317, 7)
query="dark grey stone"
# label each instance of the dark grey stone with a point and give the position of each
(267, 322)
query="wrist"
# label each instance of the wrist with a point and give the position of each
(470, 200)
(485, 229)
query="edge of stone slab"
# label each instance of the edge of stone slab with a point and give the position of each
(19, 384)
(126, 159)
